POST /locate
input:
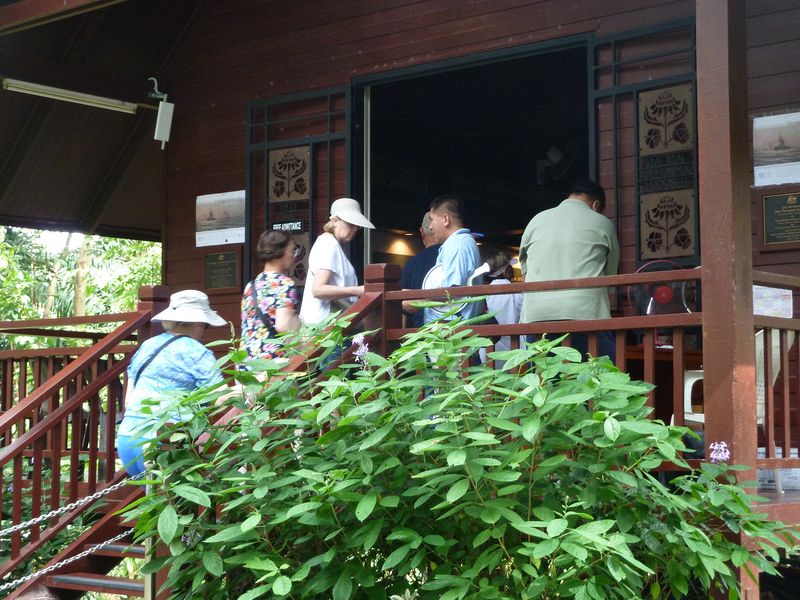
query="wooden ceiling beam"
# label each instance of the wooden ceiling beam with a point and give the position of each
(25, 14)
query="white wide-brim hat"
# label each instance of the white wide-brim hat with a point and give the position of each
(189, 306)
(349, 210)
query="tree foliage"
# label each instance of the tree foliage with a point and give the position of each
(101, 276)
(412, 476)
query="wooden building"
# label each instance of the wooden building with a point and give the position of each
(282, 107)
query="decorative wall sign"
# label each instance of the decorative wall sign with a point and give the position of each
(221, 271)
(781, 218)
(666, 174)
(219, 219)
(290, 174)
(776, 149)
(303, 240)
(668, 224)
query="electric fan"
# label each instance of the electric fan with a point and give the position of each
(666, 297)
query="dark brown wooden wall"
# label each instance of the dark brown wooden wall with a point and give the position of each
(238, 51)
(773, 87)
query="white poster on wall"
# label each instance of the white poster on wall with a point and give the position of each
(219, 219)
(776, 149)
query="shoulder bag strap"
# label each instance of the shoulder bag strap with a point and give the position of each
(260, 313)
(150, 358)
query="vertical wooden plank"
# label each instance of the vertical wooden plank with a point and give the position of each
(786, 420)
(16, 504)
(769, 394)
(678, 367)
(649, 363)
(36, 487)
(726, 236)
(725, 227)
(619, 339)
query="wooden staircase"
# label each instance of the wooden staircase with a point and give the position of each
(58, 455)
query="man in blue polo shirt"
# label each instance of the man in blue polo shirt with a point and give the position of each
(459, 255)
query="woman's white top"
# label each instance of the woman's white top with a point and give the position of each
(326, 253)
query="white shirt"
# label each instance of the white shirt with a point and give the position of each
(327, 254)
(506, 309)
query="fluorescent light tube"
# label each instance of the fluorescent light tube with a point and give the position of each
(45, 91)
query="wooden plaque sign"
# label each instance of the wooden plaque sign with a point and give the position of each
(781, 219)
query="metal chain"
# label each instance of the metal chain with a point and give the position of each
(68, 507)
(66, 561)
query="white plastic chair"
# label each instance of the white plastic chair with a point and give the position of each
(692, 376)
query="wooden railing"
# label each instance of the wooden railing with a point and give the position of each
(58, 423)
(777, 379)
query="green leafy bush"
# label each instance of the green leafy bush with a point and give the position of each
(411, 476)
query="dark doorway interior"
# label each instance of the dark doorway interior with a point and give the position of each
(484, 132)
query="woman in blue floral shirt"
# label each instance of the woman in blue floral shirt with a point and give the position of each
(271, 307)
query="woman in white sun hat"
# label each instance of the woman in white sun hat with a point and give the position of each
(174, 361)
(331, 280)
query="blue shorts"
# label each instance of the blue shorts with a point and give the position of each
(129, 449)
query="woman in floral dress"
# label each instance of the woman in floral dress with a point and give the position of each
(269, 302)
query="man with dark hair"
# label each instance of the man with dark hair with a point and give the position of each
(458, 256)
(571, 241)
(417, 267)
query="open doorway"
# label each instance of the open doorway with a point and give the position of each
(507, 136)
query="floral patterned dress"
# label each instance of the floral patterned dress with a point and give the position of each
(274, 291)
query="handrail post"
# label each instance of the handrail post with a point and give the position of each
(383, 277)
(154, 299)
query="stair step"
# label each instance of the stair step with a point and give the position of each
(91, 582)
(119, 550)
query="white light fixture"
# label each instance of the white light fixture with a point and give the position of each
(46, 91)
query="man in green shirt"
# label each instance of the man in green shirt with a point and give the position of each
(571, 241)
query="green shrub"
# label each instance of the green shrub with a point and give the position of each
(411, 476)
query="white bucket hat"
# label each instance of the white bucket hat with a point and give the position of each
(189, 306)
(349, 210)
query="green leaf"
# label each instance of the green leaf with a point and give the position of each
(396, 557)
(623, 478)
(458, 489)
(262, 564)
(740, 556)
(233, 532)
(502, 476)
(366, 505)
(192, 494)
(545, 548)
(251, 522)
(481, 438)
(371, 534)
(531, 428)
(299, 509)
(456, 458)
(575, 550)
(481, 537)
(281, 586)
(611, 427)
(167, 523)
(343, 587)
(255, 592)
(434, 540)
(376, 436)
(556, 527)
(553, 460)
(213, 563)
